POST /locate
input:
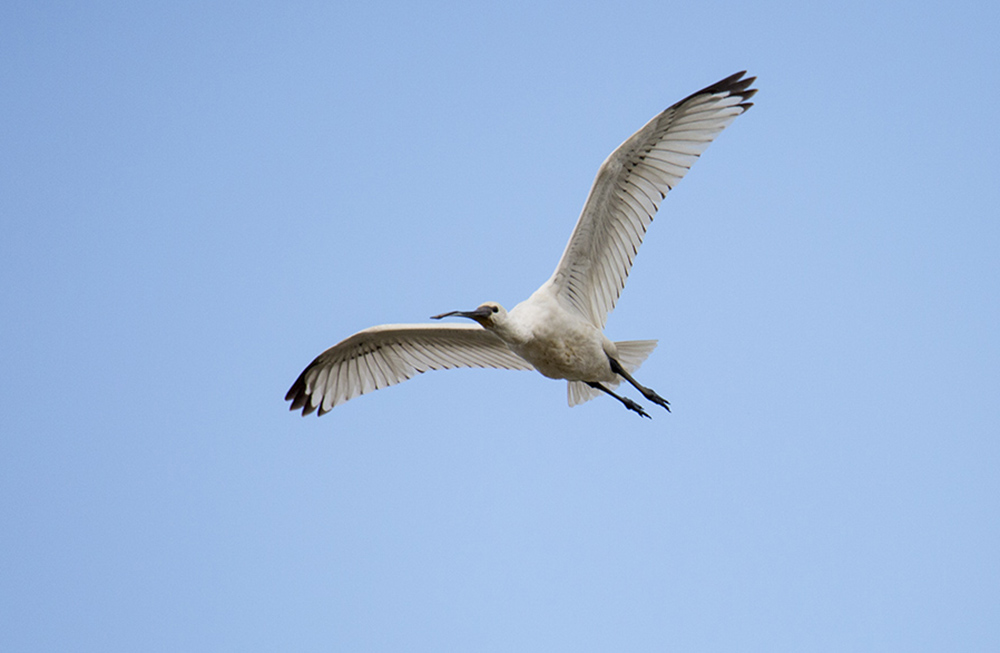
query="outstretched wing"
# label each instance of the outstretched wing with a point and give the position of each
(392, 353)
(628, 190)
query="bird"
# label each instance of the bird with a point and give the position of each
(559, 330)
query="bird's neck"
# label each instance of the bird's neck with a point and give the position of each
(511, 331)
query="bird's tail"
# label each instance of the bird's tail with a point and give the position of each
(631, 354)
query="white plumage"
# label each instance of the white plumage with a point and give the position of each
(389, 354)
(558, 331)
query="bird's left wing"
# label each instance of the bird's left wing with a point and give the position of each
(627, 193)
(392, 353)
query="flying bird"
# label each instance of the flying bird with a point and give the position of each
(559, 330)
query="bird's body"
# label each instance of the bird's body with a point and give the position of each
(557, 342)
(559, 329)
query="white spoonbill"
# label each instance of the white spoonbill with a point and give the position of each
(559, 329)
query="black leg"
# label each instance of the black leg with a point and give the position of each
(646, 392)
(631, 405)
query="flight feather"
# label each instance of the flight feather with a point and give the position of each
(628, 189)
(392, 353)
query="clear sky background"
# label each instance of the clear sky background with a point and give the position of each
(198, 198)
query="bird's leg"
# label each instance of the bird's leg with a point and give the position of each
(631, 405)
(648, 393)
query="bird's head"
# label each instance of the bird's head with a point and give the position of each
(488, 315)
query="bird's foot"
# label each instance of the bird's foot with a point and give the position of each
(631, 405)
(656, 399)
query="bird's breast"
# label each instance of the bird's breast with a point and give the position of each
(571, 351)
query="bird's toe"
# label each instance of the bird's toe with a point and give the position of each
(631, 405)
(657, 399)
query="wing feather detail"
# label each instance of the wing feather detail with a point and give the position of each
(386, 355)
(628, 189)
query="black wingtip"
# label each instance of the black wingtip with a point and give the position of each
(297, 395)
(735, 84)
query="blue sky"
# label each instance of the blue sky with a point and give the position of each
(198, 198)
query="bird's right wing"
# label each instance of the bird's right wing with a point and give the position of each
(628, 190)
(392, 353)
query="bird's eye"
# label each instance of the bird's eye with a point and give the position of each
(496, 310)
